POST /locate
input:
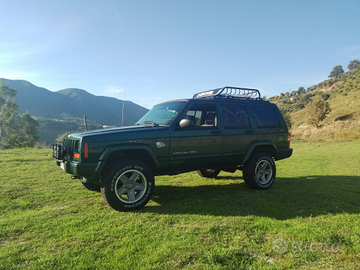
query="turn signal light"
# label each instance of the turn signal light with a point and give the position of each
(77, 156)
(288, 137)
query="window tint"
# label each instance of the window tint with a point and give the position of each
(204, 115)
(234, 116)
(265, 116)
(163, 114)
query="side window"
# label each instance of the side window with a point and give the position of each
(234, 116)
(265, 116)
(202, 115)
(195, 116)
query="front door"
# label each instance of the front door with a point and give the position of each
(199, 142)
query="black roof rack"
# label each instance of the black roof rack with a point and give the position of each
(231, 92)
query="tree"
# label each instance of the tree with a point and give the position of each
(28, 130)
(353, 64)
(12, 138)
(317, 110)
(338, 70)
(301, 90)
(20, 132)
(8, 109)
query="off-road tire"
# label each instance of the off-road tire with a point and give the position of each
(128, 185)
(208, 173)
(260, 171)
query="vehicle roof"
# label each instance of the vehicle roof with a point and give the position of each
(220, 99)
(228, 94)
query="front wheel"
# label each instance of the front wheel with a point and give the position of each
(260, 171)
(208, 173)
(128, 185)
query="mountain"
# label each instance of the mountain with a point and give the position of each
(73, 103)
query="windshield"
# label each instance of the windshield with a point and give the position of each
(162, 114)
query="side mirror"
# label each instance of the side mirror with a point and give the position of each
(184, 123)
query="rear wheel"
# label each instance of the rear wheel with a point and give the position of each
(128, 185)
(260, 171)
(208, 173)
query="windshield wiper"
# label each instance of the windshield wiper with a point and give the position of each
(151, 123)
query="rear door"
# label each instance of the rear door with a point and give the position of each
(270, 124)
(238, 132)
(200, 143)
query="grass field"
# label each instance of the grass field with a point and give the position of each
(309, 218)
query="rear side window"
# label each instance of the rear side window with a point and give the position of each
(234, 116)
(265, 116)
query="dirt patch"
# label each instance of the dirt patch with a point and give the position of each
(335, 131)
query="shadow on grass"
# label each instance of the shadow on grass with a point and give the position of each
(286, 199)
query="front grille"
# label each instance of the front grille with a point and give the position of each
(71, 146)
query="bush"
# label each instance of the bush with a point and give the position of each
(317, 110)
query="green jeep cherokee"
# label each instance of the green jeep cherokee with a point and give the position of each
(225, 129)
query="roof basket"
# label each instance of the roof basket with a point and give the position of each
(231, 92)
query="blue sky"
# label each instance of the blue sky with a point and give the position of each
(150, 51)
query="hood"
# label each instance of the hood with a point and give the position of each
(117, 130)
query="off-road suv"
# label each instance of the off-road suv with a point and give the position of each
(224, 129)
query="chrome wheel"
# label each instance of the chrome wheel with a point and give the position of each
(260, 171)
(130, 186)
(263, 172)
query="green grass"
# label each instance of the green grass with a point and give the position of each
(48, 221)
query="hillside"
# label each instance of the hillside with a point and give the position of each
(342, 123)
(73, 104)
(63, 111)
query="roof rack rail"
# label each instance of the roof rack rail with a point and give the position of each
(231, 92)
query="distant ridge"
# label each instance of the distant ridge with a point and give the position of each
(73, 103)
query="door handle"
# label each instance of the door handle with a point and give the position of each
(215, 132)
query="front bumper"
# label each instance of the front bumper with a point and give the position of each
(86, 170)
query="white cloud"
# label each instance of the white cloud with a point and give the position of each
(352, 52)
(112, 91)
(17, 75)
